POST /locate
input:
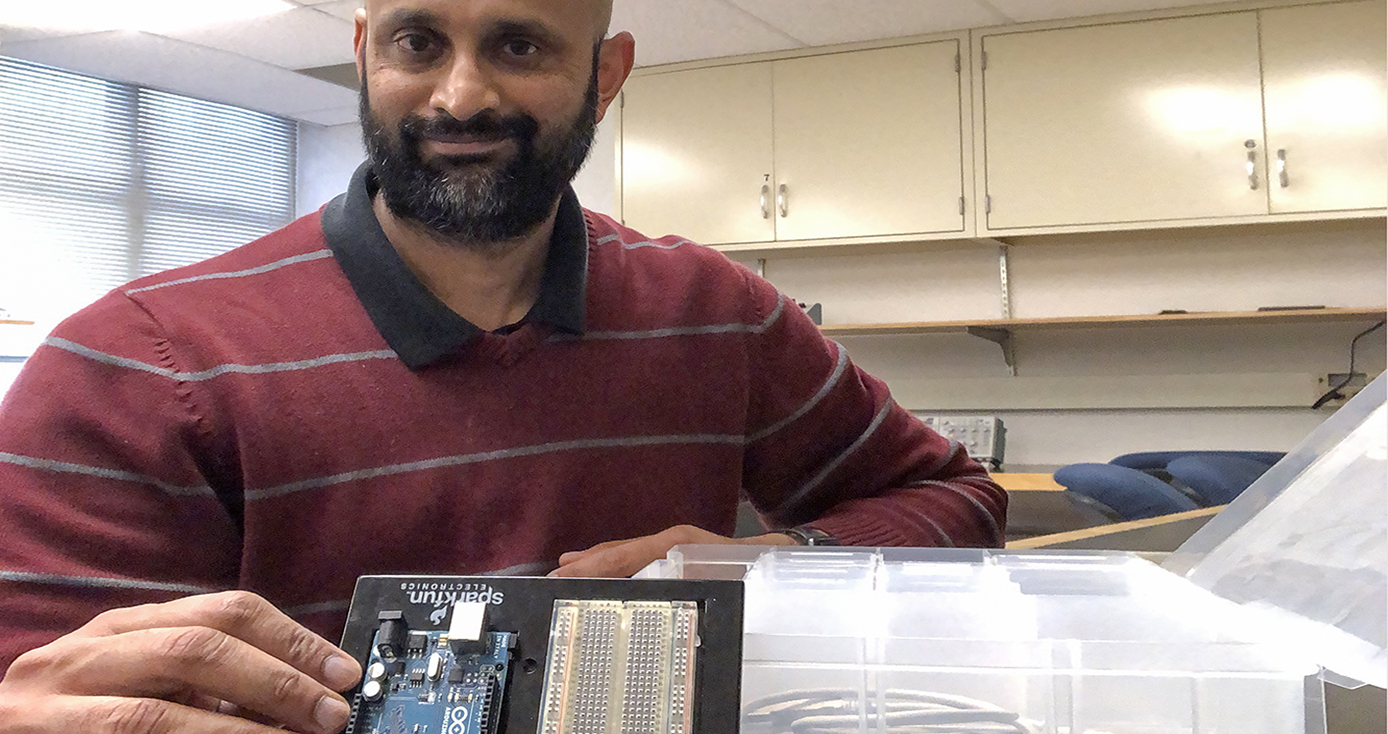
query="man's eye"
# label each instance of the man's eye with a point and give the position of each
(519, 47)
(415, 43)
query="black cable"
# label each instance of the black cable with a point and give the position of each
(846, 711)
(1334, 392)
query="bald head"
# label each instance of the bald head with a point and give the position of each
(601, 11)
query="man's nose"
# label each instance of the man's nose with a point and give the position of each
(467, 88)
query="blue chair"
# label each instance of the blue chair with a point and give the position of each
(1158, 460)
(1216, 479)
(1129, 493)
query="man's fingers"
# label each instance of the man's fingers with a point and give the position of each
(246, 617)
(170, 663)
(575, 555)
(620, 559)
(110, 715)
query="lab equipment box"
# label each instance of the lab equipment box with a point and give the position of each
(1234, 634)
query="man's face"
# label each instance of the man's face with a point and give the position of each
(477, 113)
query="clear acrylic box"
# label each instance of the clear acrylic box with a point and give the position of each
(887, 641)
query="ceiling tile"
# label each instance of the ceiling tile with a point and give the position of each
(824, 22)
(344, 9)
(19, 34)
(681, 30)
(176, 66)
(1023, 11)
(298, 39)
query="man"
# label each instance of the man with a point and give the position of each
(452, 369)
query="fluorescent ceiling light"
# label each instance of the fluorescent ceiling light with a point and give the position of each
(156, 16)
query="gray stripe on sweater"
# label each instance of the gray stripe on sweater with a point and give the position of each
(641, 244)
(219, 370)
(64, 467)
(105, 358)
(949, 542)
(694, 330)
(270, 267)
(477, 458)
(97, 582)
(829, 384)
(992, 522)
(800, 494)
(656, 245)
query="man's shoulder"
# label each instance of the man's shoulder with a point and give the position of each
(300, 241)
(274, 268)
(669, 280)
(638, 252)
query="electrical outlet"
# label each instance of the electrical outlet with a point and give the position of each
(1354, 382)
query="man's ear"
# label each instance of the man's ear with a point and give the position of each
(615, 58)
(359, 43)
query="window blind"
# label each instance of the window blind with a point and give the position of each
(101, 183)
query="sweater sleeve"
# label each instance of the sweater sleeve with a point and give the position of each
(103, 501)
(828, 447)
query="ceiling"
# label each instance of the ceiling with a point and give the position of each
(257, 63)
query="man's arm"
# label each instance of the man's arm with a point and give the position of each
(104, 503)
(829, 448)
(227, 663)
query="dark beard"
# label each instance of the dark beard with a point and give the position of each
(467, 201)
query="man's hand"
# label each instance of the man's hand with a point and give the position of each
(225, 663)
(622, 558)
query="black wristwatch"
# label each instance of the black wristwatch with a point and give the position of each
(805, 535)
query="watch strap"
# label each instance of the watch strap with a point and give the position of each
(808, 536)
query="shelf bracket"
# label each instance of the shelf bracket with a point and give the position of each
(1002, 338)
(1004, 279)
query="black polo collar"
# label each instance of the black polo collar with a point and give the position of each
(415, 323)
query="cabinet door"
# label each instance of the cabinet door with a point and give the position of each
(1125, 122)
(1326, 96)
(696, 154)
(869, 143)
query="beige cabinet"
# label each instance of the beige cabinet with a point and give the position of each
(1122, 123)
(696, 153)
(840, 146)
(1325, 99)
(1235, 115)
(870, 143)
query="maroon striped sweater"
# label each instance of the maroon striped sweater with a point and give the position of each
(242, 423)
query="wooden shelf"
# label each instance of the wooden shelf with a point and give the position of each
(1089, 322)
(16, 323)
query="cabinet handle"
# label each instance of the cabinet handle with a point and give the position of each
(1282, 176)
(765, 201)
(1252, 164)
(781, 201)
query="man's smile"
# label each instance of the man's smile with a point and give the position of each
(466, 145)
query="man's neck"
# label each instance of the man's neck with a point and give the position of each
(491, 284)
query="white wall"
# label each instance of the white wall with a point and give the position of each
(329, 155)
(1096, 377)
(327, 158)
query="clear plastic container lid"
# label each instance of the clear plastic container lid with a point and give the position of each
(1305, 547)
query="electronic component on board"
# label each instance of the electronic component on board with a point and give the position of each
(418, 643)
(447, 694)
(390, 640)
(537, 655)
(620, 666)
